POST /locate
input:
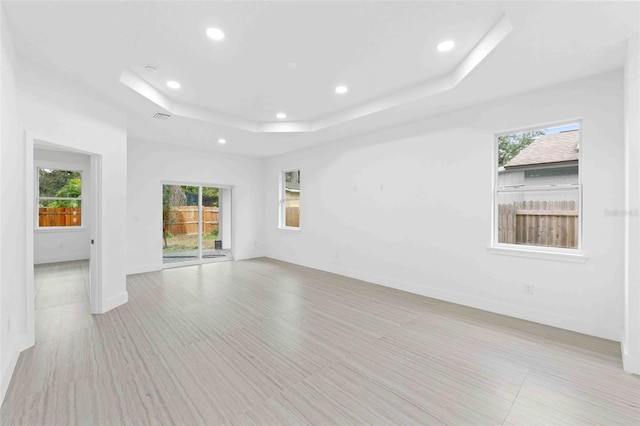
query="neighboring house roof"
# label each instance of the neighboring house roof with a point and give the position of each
(292, 186)
(548, 149)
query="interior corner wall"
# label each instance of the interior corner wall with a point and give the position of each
(62, 113)
(70, 243)
(13, 313)
(151, 164)
(410, 207)
(631, 339)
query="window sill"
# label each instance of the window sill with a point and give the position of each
(61, 229)
(288, 229)
(575, 256)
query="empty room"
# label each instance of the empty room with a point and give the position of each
(319, 212)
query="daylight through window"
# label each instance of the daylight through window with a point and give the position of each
(290, 199)
(538, 191)
(59, 198)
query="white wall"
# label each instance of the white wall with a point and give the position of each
(153, 163)
(61, 113)
(631, 340)
(60, 245)
(410, 207)
(12, 219)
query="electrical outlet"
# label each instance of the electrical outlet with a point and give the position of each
(528, 288)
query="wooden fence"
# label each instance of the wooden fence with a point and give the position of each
(59, 216)
(292, 216)
(546, 223)
(180, 220)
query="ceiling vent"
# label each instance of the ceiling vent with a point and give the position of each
(161, 116)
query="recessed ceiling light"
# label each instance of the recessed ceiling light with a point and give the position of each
(281, 115)
(173, 84)
(215, 34)
(341, 90)
(222, 141)
(150, 68)
(446, 45)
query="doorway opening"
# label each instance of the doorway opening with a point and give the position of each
(196, 224)
(63, 238)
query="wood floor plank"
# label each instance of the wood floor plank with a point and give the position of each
(336, 396)
(545, 399)
(449, 394)
(266, 342)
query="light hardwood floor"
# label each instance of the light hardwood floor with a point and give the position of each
(266, 342)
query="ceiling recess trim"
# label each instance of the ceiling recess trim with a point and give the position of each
(485, 46)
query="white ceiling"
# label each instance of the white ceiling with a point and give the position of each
(374, 50)
(383, 51)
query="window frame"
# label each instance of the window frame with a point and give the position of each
(282, 202)
(536, 251)
(39, 228)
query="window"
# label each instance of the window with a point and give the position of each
(59, 198)
(538, 191)
(290, 200)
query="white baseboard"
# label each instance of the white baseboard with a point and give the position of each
(630, 362)
(143, 269)
(66, 258)
(115, 301)
(7, 373)
(520, 312)
(248, 255)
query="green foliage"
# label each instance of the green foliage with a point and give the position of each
(179, 195)
(210, 196)
(213, 235)
(72, 189)
(172, 195)
(510, 145)
(61, 203)
(51, 181)
(166, 198)
(206, 191)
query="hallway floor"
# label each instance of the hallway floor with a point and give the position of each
(62, 299)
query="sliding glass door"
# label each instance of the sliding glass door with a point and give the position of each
(192, 229)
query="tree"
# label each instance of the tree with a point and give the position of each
(172, 195)
(510, 145)
(72, 189)
(51, 181)
(183, 195)
(209, 195)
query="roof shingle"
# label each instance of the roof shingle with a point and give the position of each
(557, 148)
